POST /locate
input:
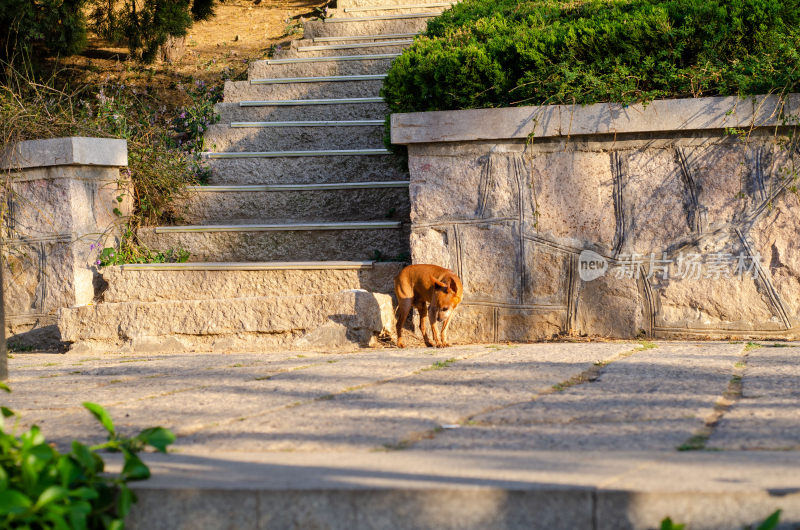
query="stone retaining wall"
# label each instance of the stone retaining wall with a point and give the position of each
(57, 202)
(678, 219)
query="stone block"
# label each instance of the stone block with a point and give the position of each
(475, 124)
(527, 325)
(774, 237)
(435, 245)
(72, 151)
(361, 312)
(728, 302)
(720, 174)
(655, 201)
(444, 188)
(610, 307)
(472, 323)
(574, 197)
(490, 261)
(547, 274)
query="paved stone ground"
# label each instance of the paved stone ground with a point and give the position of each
(570, 422)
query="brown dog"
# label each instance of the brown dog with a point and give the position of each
(420, 285)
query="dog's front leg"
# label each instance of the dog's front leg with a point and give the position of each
(445, 325)
(432, 317)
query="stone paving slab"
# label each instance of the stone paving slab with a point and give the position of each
(653, 399)
(766, 416)
(395, 412)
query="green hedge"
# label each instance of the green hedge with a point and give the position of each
(490, 53)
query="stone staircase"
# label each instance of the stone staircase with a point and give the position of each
(304, 201)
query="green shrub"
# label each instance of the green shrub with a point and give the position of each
(43, 488)
(489, 53)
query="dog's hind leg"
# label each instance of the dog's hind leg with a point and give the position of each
(423, 317)
(403, 309)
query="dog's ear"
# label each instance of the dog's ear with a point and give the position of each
(453, 285)
(439, 284)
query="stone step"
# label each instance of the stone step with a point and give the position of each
(306, 67)
(306, 170)
(355, 38)
(264, 110)
(296, 154)
(367, 46)
(314, 87)
(357, 27)
(338, 15)
(322, 50)
(283, 242)
(365, 6)
(344, 319)
(153, 282)
(255, 136)
(362, 201)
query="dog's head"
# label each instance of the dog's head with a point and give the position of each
(445, 297)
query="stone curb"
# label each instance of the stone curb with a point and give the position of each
(70, 151)
(469, 490)
(603, 118)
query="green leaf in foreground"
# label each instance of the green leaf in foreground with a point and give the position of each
(771, 522)
(102, 416)
(157, 437)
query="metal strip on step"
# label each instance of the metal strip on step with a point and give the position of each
(289, 227)
(250, 266)
(358, 45)
(383, 17)
(289, 102)
(320, 79)
(333, 58)
(276, 154)
(402, 6)
(364, 37)
(340, 123)
(300, 187)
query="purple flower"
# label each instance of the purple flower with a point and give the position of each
(97, 262)
(92, 246)
(183, 115)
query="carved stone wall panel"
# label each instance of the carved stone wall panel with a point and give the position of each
(473, 323)
(23, 279)
(776, 237)
(655, 202)
(702, 289)
(525, 325)
(574, 197)
(720, 175)
(437, 245)
(611, 307)
(490, 256)
(449, 189)
(547, 274)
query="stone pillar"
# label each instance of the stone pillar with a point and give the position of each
(62, 200)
